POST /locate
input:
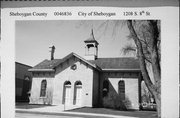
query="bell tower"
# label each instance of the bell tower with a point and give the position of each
(91, 47)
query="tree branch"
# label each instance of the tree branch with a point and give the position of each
(155, 52)
(141, 56)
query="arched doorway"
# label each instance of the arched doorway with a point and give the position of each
(67, 92)
(78, 93)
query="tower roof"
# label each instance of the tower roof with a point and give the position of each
(91, 39)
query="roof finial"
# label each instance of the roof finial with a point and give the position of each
(92, 34)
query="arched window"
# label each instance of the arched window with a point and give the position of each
(78, 83)
(43, 88)
(67, 83)
(105, 88)
(121, 86)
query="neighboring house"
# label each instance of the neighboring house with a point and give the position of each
(23, 82)
(75, 82)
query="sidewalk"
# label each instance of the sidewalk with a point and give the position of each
(51, 112)
(94, 112)
(59, 110)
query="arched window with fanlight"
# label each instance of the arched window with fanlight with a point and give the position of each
(43, 88)
(105, 88)
(121, 89)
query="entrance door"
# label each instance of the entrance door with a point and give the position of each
(67, 94)
(78, 97)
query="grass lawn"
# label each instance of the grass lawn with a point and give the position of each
(140, 114)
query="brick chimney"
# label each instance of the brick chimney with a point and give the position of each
(52, 52)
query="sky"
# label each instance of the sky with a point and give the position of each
(33, 39)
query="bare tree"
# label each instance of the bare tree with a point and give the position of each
(146, 36)
(145, 94)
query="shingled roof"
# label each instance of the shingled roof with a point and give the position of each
(50, 65)
(122, 63)
(46, 65)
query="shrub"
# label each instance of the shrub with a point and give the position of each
(113, 100)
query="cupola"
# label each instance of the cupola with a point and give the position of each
(91, 47)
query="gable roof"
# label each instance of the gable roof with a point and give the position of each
(46, 65)
(105, 64)
(122, 63)
(50, 65)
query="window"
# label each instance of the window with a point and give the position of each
(78, 83)
(74, 67)
(122, 89)
(43, 88)
(105, 88)
(67, 83)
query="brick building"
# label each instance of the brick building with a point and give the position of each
(23, 82)
(89, 81)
